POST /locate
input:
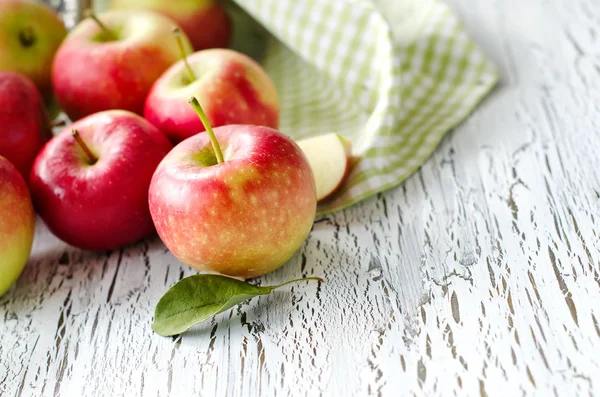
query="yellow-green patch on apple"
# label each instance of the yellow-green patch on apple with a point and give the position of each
(30, 34)
(17, 224)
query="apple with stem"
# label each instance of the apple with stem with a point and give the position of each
(205, 22)
(239, 200)
(233, 88)
(90, 182)
(23, 120)
(30, 34)
(110, 61)
(17, 224)
(329, 157)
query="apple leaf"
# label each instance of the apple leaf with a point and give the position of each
(198, 298)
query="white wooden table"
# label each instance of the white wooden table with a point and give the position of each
(478, 276)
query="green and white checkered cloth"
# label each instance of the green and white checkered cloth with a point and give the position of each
(393, 76)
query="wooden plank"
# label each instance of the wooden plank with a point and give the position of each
(479, 275)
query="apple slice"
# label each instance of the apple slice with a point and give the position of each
(329, 158)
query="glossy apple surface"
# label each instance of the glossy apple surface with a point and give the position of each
(30, 34)
(243, 217)
(205, 22)
(232, 87)
(17, 224)
(103, 204)
(94, 70)
(329, 159)
(24, 125)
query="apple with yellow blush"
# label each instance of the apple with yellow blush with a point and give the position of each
(17, 224)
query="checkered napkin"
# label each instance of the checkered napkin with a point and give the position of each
(393, 76)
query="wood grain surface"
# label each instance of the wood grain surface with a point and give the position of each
(478, 276)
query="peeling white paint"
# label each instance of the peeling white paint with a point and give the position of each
(479, 276)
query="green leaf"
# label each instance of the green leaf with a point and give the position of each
(197, 298)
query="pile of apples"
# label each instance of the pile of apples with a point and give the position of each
(140, 156)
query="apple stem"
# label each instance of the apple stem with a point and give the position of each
(179, 40)
(111, 35)
(211, 135)
(319, 279)
(91, 157)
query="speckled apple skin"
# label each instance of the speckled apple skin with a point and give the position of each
(17, 224)
(244, 217)
(102, 206)
(231, 87)
(90, 76)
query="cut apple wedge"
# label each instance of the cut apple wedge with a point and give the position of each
(329, 158)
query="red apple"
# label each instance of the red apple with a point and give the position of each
(111, 62)
(329, 158)
(243, 211)
(233, 88)
(17, 224)
(204, 21)
(91, 187)
(30, 33)
(24, 126)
